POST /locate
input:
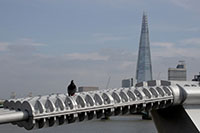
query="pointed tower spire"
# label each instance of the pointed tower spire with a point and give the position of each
(144, 68)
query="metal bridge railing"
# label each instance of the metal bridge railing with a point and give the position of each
(57, 109)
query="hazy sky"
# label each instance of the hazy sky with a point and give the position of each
(46, 43)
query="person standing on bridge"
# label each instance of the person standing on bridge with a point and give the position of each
(71, 88)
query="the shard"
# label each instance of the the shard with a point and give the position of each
(144, 68)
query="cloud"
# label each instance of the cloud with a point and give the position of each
(187, 4)
(21, 42)
(118, 3)
(28, 41)
(104, 37)
(181, 48)
(192, 29)
(191, 41)
(24, 46)
(4, 46)
(42, 74)
(162, 44)
(173, 28)
(86, 56)
(127, 64)
(182, 3)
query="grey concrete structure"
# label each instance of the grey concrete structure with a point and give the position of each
(179, 73)
(144, 67)
(87, 88)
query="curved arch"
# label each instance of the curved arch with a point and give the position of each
(89, 100)
(138, 94)
(116, 97)
(167, 90)
(124, 96)
(154, 92)
(39, 107)
(59, 104)
(131, 95)
(146, 92)
(160, 91)
(80, 101)
(98, 99)
(69, 103)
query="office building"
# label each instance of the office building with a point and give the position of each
(179, 73)
(127, 83)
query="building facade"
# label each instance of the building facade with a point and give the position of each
(87, 88)
(179, 73)
(127, 83)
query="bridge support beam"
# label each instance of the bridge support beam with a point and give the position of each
(13, 117)
(173, 120)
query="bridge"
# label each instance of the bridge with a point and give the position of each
(172, 105)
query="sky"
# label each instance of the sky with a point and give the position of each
(46, 43)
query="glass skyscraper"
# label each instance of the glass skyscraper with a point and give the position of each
(144, 68)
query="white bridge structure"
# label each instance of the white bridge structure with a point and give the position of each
(174, 106)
